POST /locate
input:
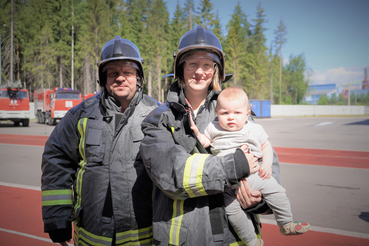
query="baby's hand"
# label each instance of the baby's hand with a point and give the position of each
(265, 171)
(194, 127)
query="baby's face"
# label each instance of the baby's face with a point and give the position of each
(232, 114)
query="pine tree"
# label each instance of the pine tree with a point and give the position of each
(156, 41)
(280, 40)
(236, 47)
(204, 15)
(258, 48)
(188, 13)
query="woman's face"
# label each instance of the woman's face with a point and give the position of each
(198, 74)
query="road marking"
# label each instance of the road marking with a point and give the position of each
(20, 186)
(28, 235)
(324, 123)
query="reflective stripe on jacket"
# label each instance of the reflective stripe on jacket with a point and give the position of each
(89, 159)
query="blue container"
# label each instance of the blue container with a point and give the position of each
(260, 107)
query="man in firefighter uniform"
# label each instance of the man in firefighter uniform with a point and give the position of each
(89, 174)
(188, 206)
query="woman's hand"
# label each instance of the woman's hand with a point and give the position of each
(246, 197)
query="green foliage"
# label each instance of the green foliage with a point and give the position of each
(43, 38)
(323, 100)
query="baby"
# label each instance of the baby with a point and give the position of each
(227, 133)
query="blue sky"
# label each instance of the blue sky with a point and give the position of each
(332, 34)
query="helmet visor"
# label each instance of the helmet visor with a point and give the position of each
(199, 54)
(121, 63)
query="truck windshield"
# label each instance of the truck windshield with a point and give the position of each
(64, 95)
(13, 94)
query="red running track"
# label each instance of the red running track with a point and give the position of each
(334, 158)
(20, 209)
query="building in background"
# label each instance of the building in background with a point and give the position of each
(355, 88)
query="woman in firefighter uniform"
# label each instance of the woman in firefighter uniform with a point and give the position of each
(88, 172)
(188, 204)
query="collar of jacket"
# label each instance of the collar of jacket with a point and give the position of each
(176, 97)
(111, 105)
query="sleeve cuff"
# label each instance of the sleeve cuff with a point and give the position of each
(241, 164)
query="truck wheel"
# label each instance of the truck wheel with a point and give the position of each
(16, 123)
(42, 118)
(38, 117)
(25, 122)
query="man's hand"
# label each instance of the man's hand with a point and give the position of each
(246, 197)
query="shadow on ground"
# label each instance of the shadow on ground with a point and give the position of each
(364, 216)
(364, 122)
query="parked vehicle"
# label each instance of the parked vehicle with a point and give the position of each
(52, 105)
(14, 103)
(87, 96)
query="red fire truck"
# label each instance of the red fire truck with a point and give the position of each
(14, 103)
(52, 105)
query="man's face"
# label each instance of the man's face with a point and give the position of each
(121, 81)
(232, 114)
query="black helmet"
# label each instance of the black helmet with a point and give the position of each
(200, 39)
(119, 49)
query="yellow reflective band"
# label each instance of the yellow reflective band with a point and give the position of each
(92, 239)
(192, 178)
(57, 197)
(82, 131)
(56, 192)
(57, 202)
(177, 217)
(135, 237)
(172, 129)
(199, 172)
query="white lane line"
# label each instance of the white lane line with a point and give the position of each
(326, 230)
(20, 186)
(29, 235)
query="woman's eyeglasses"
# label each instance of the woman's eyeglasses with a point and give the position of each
(206, 66)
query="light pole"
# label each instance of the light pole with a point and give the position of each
(0, 56)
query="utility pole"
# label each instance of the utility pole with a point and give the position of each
(72, 68)
(349, 94)
(11, 44)
(0, 59)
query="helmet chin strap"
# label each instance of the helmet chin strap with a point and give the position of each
(139, 83)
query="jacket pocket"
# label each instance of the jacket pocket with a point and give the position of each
(95, 145)
(137, 136)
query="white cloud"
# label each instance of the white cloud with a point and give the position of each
(339, 75)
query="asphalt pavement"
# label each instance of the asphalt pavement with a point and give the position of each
(331, 199)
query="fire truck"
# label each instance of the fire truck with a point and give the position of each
(52, 105)
(14, 103)
(87, 96)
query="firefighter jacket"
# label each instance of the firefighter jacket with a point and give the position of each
(88, 174)
(188, 204)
